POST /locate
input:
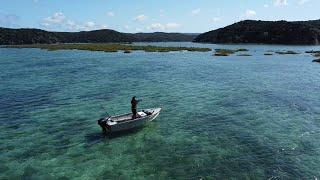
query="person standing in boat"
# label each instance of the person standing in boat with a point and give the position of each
(134, 103)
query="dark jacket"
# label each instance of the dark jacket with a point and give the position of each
(134, 103)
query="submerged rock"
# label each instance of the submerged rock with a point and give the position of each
(316, 60)
(286, 52)
(221, 54)
(242, 50)
(244, 55)
(312, 52)
(227, 52)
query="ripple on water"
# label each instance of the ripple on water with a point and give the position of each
(222, 118)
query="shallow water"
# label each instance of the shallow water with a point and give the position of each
(223, 117)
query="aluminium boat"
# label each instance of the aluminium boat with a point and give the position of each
(124, 122)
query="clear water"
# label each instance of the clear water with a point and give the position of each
(223, 117)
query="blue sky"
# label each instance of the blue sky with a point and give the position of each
(149, 15)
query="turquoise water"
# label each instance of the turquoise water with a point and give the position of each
(230, 117)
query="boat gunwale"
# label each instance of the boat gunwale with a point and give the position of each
(132, 120)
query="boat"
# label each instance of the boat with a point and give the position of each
(124, 122)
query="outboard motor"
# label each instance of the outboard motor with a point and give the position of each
(103, 125)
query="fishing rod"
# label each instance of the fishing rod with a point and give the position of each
(106, 111)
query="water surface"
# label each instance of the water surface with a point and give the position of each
(223, 117)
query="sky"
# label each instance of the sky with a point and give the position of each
(187, 16)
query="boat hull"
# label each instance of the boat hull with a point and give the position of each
(109, 125)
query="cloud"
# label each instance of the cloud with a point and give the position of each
(56, 19)
(156, 26)
(163, 27)
(266, 5)
(104, 26)
(195, 11)
(127, 27)
(172, 25)
(302, 2)
(279, 3)
(89, 25)
(70, 23)
(59, 21)
(215, 19)
(110, 14)
(250, 13)
(140, 18)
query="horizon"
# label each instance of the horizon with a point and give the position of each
(145, 16)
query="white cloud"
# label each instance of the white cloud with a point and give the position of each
(127, 27)
(172, 25)
(110, 14)
(163, 27)
(195, 11)
(104, 26)
(280, 3)
(71, 24)
(140, 18)
(56, 19)
(156, 26)
(302, 2)
(250, 13)
(89, 25)
(59, 21)
(215, 19)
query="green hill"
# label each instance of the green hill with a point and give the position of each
(265, 32)
(37, 36)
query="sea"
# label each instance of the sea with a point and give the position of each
(234, 117)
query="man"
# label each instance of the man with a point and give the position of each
(134, 104)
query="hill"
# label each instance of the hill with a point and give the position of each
(163, 37)
(37, 36)
(265, 32)
(26, 36)
(96, 36)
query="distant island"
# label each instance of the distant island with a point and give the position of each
(265, 32)
(248, 31)
(10, 36)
